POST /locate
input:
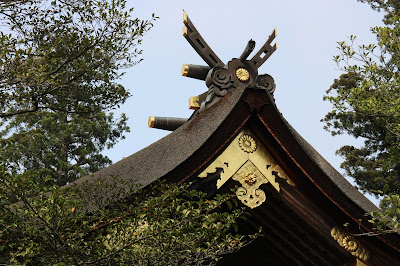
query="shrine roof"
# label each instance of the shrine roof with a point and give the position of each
(165, 156)
(321, 196)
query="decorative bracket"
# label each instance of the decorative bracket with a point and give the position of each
(251, 179)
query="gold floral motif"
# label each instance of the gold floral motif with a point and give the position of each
(242, 74)
(250, 178)
(247, 143)
(350, 243)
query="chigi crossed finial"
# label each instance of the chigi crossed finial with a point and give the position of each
(219, 77)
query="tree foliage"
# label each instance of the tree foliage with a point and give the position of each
(9, 3)
(390, 7)
(59, 66)
(388, 219)
(366, 104)
(164, 225)
(66, 55)
(59, 146)
(60, 62)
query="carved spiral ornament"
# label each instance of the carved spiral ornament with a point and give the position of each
(247, 143)
(266, 81)
(350, 243)
(221, 77)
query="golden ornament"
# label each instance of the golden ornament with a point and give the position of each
(247, 143)
(250, 178)
(242, 74)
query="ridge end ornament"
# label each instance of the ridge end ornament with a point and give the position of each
(222, 78)
(350, 244)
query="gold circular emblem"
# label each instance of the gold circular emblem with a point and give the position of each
(349, 243)
(247, 143)
(242, 74)
(250, 178)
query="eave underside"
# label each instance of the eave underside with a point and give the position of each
(287, 238)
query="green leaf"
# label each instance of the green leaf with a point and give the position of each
(229, 205)
(235, 227)
(386, 188)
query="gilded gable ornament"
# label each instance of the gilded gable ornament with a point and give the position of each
(251, 165)
(250, 178)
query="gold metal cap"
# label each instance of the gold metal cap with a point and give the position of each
(194, 102)
(185, 70)
(151, 121)
(185, 31)
(185, 17)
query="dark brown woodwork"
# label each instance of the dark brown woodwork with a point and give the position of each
(345, 209)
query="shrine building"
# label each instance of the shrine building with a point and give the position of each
(236, 136)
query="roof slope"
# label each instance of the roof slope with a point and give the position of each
(333, 174)
(167, 154)
(160, 158)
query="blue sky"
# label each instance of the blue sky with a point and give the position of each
(302, 66)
